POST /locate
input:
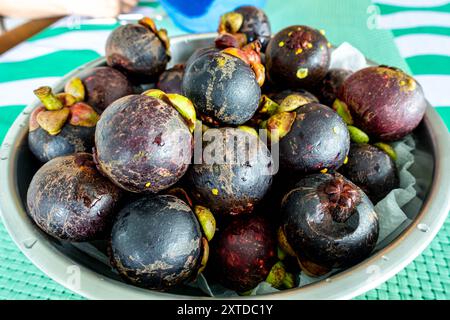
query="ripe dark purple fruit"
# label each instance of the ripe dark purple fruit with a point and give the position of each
(156, 242)
(372, 170)
(222, 87)
(232, 188)
(317, 140)
(384, 102)
(297, 57)
(105, 85)
(70, 200)
(142, 144)
(249, 21)
(329, 222)
(331, 84)
(243, 253)
(170, 80)
(139, 50)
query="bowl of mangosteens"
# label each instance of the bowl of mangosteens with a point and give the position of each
(237, 160)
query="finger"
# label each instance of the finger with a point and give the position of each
(126, 8)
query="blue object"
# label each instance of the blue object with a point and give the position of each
(202, 15)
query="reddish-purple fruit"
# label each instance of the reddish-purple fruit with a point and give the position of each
(297, 57)
(70, 200)
(142, 144)
(139, 50)
(331, 84)
(372, 170)
(104, 85)
(384, 102)
(328, 222)
(170, 80)
(244, 253)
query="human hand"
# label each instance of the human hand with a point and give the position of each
(100, 8)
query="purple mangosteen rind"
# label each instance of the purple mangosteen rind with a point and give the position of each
(385, 102)
(70, 200)
(142, 144)
(329, 221)
(331, 84)
(233, 189)
(318, 140)
(104, 85)
(297, 57)
(156, 242)
(372, 170)
(255, 25)
(170, 80)
(243, 253)
(222, 87)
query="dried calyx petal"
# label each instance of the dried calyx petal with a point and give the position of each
(67, 99)
(181, 194)
(83, 115)
(48, 99)
(293, 102)
(182, 104)
(387, 149)
(230, 22)
(206, 220)
(33, 124)
(161, 34)
(276, 275)
(205, 256)
(342, 197)
(53, 121)
(267, 106)
(249, 129)
(341, 109)
(227, 40)
(75, 87)
(279, 125)
(357, 135)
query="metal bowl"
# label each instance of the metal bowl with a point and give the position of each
(84, 274)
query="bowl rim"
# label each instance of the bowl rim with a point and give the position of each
(347, 284)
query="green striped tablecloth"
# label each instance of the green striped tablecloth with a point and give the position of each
(420, 31)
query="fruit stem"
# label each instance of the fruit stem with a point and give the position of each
(343, 198)
(48, 99)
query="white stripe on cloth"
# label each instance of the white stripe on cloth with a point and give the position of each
(412, 19)
(413, 3)
(436, 88)
(20, 92)
(72, 40)
(422, 44)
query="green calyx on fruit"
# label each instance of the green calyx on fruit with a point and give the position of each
(83, 115)
(161, 34)
(48, 99)
(387, 149)
(183, 105)
(288, 281)
(357, 135)
(67, 99)
(75, 87)
(281, 254)
(205, 256)
(279, 125)
(53, 121)
(206, 220)
(341, 109)
(267, 106)
(33, 124)
(230, 22)
(279, 278)
(249, 129)
(293, 102)
(283, 243)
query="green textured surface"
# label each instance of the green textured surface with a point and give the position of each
(427, 277)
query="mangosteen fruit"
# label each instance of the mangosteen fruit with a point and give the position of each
(311, 138)
(156, 242)
(170, 80)
(60, 126)
(235, 172)
(330, 85)
(328, 222)
(372, 170)
(244, 25)
(383, 101)
(199, 52)
(142, 143)
(297, 57)
(70, 200)
(139, 50)
(225, 86)
(105, 85)
(243, 253)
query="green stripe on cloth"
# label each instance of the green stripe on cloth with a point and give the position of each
(444, 112)
(54, 64)
(429, 64)
(7, 116)
(47, 33)
(387, 9)
(421, 30)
